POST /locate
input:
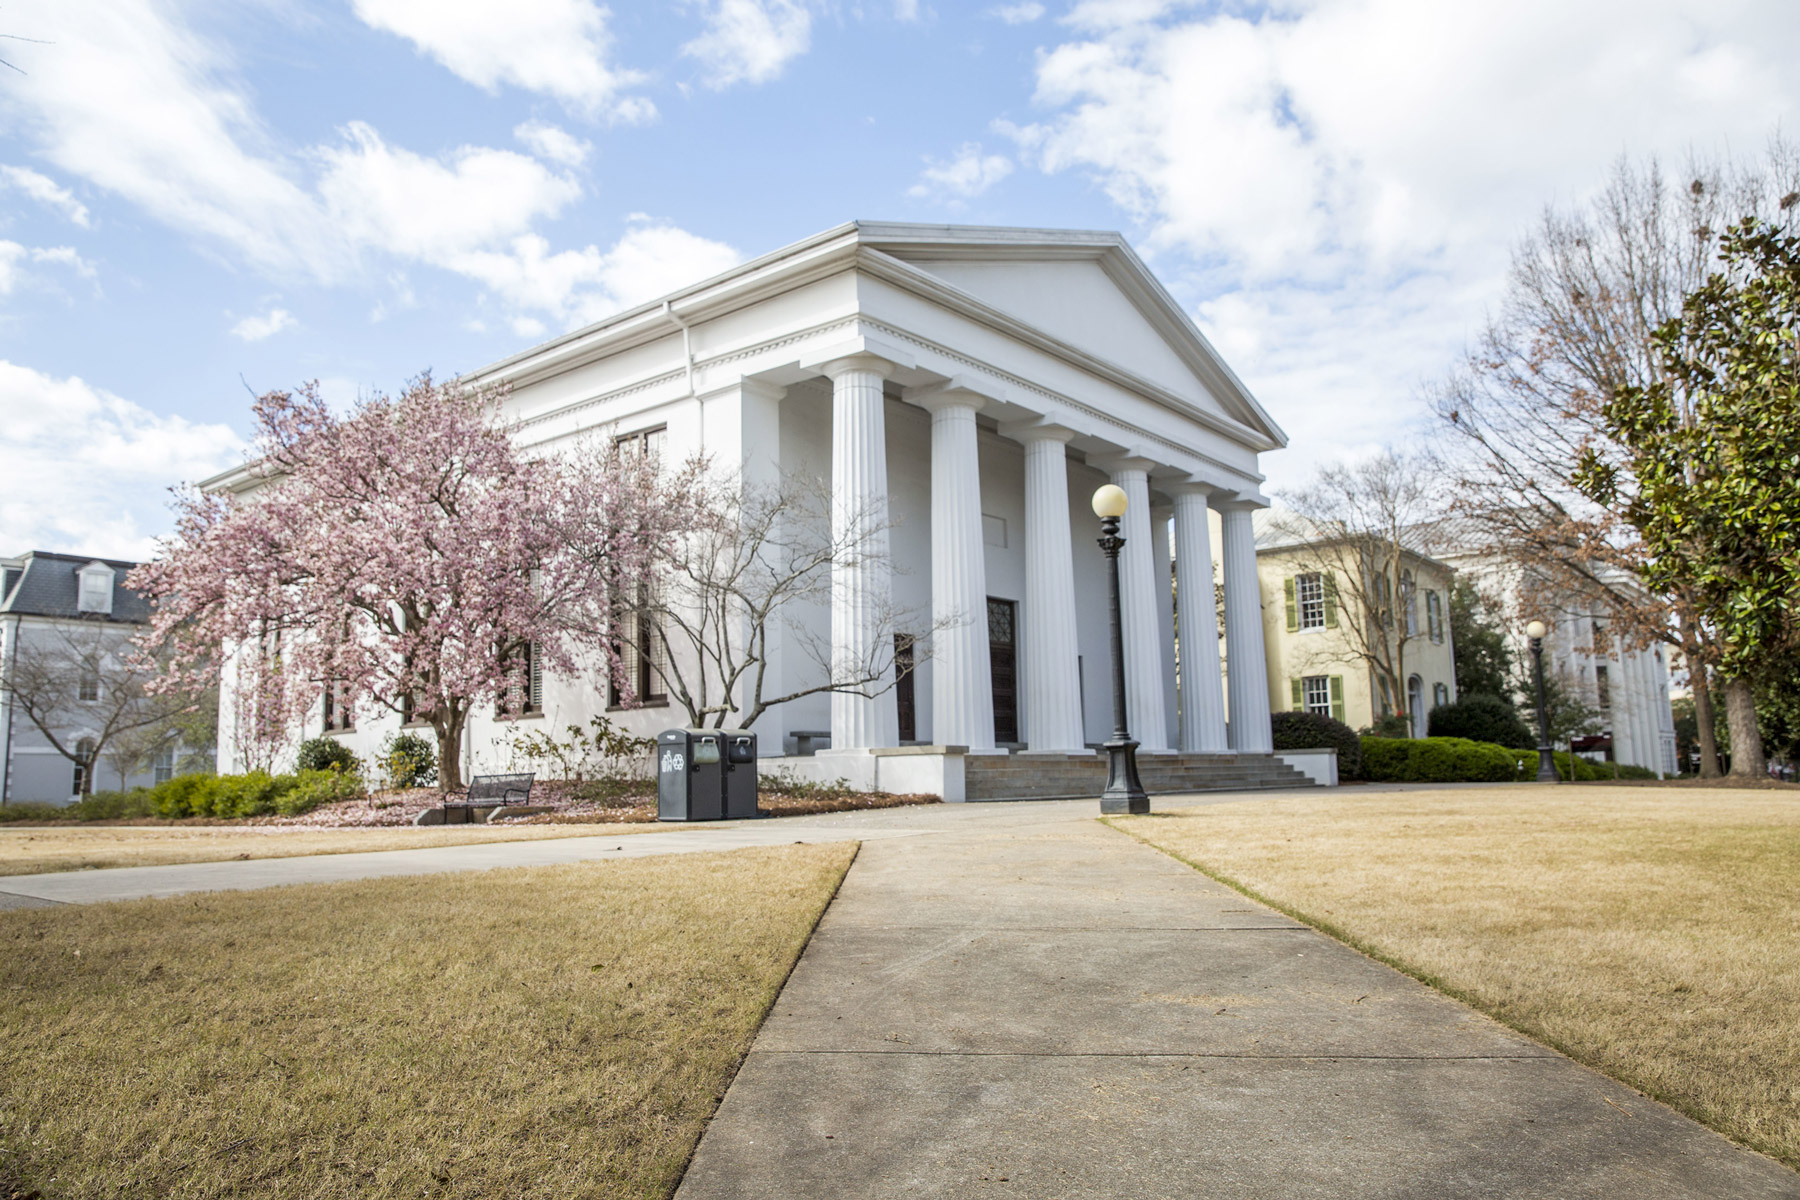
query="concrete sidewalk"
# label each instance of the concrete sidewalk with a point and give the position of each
(1030, 1004)
(175, 879)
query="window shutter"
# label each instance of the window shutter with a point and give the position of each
(1337, 697)
(1299, 691)
(534, 700)
(1330, 582)
(1293, 609)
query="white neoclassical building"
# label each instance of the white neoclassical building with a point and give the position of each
(976, 385)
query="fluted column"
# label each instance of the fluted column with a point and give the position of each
(962, 690)
(1202, 695)
(1053, 718)
(1144, 709)
(861, 586)
(1247, 685)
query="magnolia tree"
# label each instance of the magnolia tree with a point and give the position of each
(405, 556)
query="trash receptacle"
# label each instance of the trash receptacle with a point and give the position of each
(690, 775)
(740, 774)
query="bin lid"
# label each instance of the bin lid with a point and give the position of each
(672, 735)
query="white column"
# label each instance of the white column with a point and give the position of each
(1247, 688)
(1146, 715)
(962, 690)
(1162, 536)
(1053, 721)
(1202, 692)
(861, 589)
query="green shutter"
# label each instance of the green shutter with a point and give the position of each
(1299, 694)
(1330, 582)
(1293, 610)
(1337, 697)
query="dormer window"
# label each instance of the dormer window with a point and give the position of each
(96, 594)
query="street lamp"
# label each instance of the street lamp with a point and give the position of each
(1546, 763)
(1123, 794)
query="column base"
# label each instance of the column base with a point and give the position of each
(1123, 794)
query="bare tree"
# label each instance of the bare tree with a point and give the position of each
(1356, 528)
(83, 687)
(740, 582)
(1587, 288)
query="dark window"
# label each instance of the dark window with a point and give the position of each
(1602, 687)
(1002, 662)
(643, 655)
(904, 701)
(338, 708)
(523, 695)
(89, 687)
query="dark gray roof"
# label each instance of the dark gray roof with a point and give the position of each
(43, 584)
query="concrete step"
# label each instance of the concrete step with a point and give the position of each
(1036, 777)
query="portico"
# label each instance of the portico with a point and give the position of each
(964, 391)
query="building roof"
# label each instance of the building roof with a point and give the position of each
(1279, 529)
(42, 583)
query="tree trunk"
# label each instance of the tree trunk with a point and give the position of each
(1704, 718)
(1746, 739)
(449, 738)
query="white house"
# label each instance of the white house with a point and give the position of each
(977, 385)
(68, 619)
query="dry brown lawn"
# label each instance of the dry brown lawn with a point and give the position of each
(1654, 935)
(557, 1032)
(26, 851)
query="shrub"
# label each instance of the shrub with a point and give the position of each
(257, 794)
(408, 760)
(1391, 726)
(1315, 731)
(313, 788)
(324, 753)
(33, 810)
(1481, 719)
(1437, 760)
(112, 806)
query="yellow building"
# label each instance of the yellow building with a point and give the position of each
(1355, 633)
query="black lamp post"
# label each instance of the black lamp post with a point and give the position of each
(1123, 794)
(1546, 762)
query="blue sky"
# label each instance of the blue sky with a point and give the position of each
(202, 199)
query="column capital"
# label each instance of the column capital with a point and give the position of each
(833, 368)
(1037, 431)
(1115, 464)
(940, 396)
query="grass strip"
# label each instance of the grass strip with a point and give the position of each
(556, 1031)
(1651, 935)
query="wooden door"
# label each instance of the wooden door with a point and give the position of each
(904, 703)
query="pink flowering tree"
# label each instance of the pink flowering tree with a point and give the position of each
(406, 555)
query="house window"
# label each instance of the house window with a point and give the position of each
(1434, 617)
(1602, 687)
(1309, 594)
(905, 697)
(1409, 599)
(644, 441)
(1385, 588)
(1316, 694)
(643, 656)
(84, 757)
(96, 589)
(338, 708)
(1440, 695)
(163, 769)
(88, 689)
(523, 695)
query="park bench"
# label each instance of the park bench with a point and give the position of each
(490, 792)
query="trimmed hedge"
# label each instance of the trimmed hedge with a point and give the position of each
(1436, 760)
(1315, 731)
(1481, 719)
(1584, 769)
(256, 794)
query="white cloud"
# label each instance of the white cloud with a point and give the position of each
(557, 145)
(1345, 218)
(560, 48)
(580, 286)
(1018, 14)
(425, 208)
(45, 191)
(906, 10)
(13, 257)
(750, 41)
(257, 327)
(87, 471)
(966, 176)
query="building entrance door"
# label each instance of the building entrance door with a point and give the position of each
(905, 706)
(1003, 621)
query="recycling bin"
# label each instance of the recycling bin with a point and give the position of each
(740, 774)
(690, 775)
